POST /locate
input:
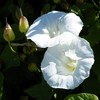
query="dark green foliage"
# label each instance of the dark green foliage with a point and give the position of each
(17, 82)
(82, 96)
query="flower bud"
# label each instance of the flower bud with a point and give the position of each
(80, 1)
(8, 33)
(32, 67)
(22, 56)
(56, 1)
(23, 24)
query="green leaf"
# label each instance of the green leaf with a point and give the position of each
(10, 59)
(56, 1)
(40, 92)
(75, 9)
(33, 67)
(94, 34)
(85, 6)
(82, 96)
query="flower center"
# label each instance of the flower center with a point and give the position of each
(71, 65)
(71, 62)
(53, 34)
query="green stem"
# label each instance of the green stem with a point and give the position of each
(23, 44)
(21, 12)
(11, 47)
(95, 4)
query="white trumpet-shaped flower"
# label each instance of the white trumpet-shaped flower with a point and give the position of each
(70, 23)
(67, 64)
(47, 28)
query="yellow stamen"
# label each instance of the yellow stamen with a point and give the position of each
(71, 65)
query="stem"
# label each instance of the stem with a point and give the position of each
(18, 44)
(23, 44)
(95, 4)
(27, 44)
(11, 47)
(21, 12)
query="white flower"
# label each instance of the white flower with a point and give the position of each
(47, 28)
(67, 64)
(70, 23)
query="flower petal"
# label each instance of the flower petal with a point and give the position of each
(83, 48)
(71, 23)
(50, 70)
(60, 81)
(41, 40)
(71, 64)
(83, 70)
(51, 25)
(44, 27)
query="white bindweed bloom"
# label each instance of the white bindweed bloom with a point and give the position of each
(67, 64)
(70, 23)
(47, 28)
